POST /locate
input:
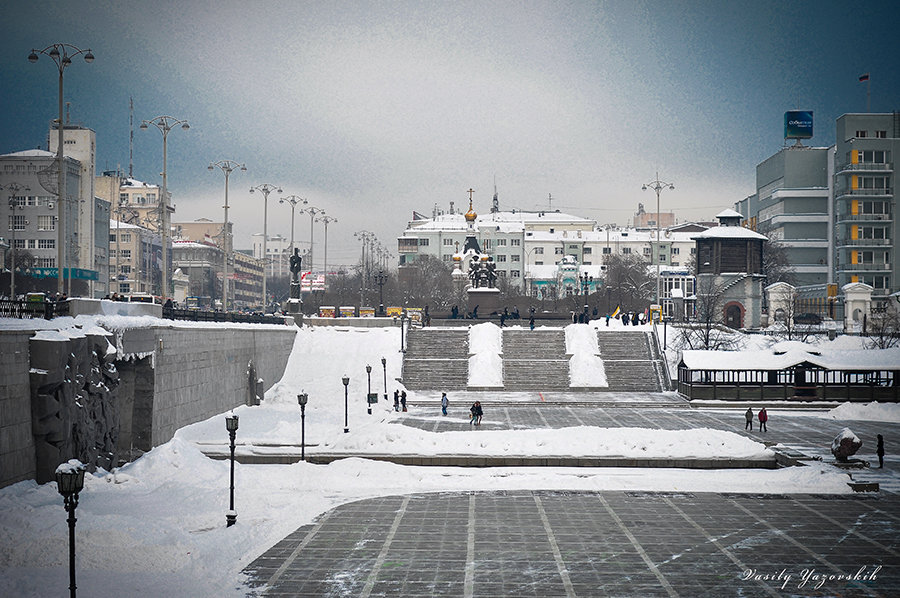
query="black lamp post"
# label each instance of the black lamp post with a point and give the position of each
(231, 424)
(384, 367)
(380, 280)
(346, 381)
(369, 394)
(403, 319)
(69, 482)
(302, 398)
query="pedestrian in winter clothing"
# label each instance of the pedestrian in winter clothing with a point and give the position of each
(749, 417)
(478, 413)
(472, 411)
(397, 400)
(403, 400)
(635, 319)
(445, 402)
(531, 322)
(880, 451)
(763, 418)
(607, 319)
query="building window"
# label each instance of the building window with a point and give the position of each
(515, 257)
(125, 238)
(515, 242)
(860, 134)
(646, 251)
(125, 254)
(539, 251)
(19, 243)
(501, 242)
(675, 251)
(607, 250)
(557, 250)
(423, 242)
(46, 223)
(486, 244)
(586, 263)
(693, 250)
(626, 250)
(17, 222)
(514, 273)
(501, 273)
(881, 134)
(501, 258)
(45, 262)
(124, 287)
(448, 242)
(125, 269)
(539, 263)
(587, 251)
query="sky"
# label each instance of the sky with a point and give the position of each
(372, 110)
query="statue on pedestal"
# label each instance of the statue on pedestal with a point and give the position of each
(295, 264)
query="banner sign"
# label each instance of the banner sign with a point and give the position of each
(798, 124)
(76, 273)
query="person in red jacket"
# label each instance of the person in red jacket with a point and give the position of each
(763, 418)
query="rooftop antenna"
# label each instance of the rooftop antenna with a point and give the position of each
(131, 138)
(549, 202)
(495, 207)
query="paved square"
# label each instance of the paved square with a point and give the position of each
(589, 544)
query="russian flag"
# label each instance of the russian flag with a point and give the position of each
(864, 77)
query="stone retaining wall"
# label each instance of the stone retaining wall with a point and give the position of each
(16, 442)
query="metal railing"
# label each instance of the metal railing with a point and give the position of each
(27, 310)
(196, 315)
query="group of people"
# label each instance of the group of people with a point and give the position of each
(475, 411)
(399, 400)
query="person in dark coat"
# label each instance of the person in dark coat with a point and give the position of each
(635, 319)
(397, 400)
(607, 319)
(478, 413)
(749, 417)
(403, 400)
(472, 411)
(625, 319)
(531, 322)
(503, 318)
(445, 402)
(880, 451)
(763, 418)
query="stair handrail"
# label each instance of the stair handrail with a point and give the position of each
(667, 382)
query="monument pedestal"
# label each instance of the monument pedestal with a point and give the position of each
(487, 299)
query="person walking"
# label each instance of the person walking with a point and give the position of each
(445, 402)
(880, 451)
(763, 418)
(472, 411)
(478, 413)
(397, 400)
(403, 401)
(749, 417)
(531, 322)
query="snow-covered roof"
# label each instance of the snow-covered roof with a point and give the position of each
(136, 183)
(32, 153)
(775, 359)
(729, 232)
(729, 213)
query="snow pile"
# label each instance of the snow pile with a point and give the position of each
(586, 368)
(485, 348)
(846, 434)
(875, 412)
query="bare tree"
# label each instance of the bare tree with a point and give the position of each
(629, 281)
(707, 331)
(427, 281)
(776, 264)
(883, 326)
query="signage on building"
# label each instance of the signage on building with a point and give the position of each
(798, 124)
(76, 273)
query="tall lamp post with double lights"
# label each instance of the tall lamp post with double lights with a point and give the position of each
(165, 124)
(384, 368)
(302, 399)
(586, 281)
(62, 55)
(265, 189)
(293, 200)
(380, 279)
(346, 381)
(231, 424)
(14, 189)
(325, 219)
(313, 212)
(369, 394)
(227, 167)
(657, 185)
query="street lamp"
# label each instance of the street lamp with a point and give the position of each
(293, 200)
(265, 189)
(325, 219)
(585, 287)
(69, 482)
(384, 367)
(62, 55)
(13, 189)
(231, 424)
(226, 166)
(346, 381)
(165, 124)
(313, 212)
(379, 280)
(302, 399)
(369, 394)
(403, 320)
(657, 185)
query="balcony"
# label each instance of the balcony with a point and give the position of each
(864, 167)
(864, 243)
(864, 218)
(883, 191)
(864, 268)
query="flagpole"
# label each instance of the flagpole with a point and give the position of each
(868, 94)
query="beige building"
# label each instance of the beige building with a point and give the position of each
(246, 278)
(644, 219)
(135, 256)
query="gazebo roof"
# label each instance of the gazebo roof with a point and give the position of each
(863, 360)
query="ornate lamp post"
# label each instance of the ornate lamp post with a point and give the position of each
(313, 212)
(265, 189)
(227, 167)
(403, 319)
(384, 368)
(14, 189)
(379, 279)
(346, 381)
(165, 124)
(585, 287)
(231, 424)
(302, 399)
(62, 55)
(369, 394)
(325, 219)
(69, 482)
(293, 200)
(657, 185)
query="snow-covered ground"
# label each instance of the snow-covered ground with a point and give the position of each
(160, 522)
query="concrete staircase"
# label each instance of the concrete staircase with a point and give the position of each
(535, 360)
(436, 359)
(631, 361)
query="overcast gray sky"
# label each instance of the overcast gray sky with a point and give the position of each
(374, 109)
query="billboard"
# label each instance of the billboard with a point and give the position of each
(798, 124)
